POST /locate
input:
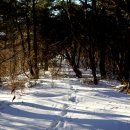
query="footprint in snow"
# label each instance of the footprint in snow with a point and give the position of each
(114, 107)
(63, 113)
(72, 99)
(53, 125)
(65, 106)
(60, 124)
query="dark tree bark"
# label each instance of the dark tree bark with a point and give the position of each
(35, 46)
(46, 64)
(71, 60)
(78, 59)
(93, 66)
(29, 59)
(102, 62)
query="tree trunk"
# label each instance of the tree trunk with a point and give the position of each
(102, 63)
(78, 59)
(35, 47)
(127, 70)
(93, 66)
(73, 65)
(29, 59)
(46, 58)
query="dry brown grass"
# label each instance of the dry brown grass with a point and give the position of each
(13, 85)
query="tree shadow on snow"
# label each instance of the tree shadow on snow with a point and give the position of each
(92, 124)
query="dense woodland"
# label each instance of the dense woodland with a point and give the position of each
(88, 34)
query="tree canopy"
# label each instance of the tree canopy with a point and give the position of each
(86, 33)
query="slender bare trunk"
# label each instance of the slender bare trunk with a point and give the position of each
(35, 46)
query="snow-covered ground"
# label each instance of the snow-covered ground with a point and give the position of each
(65, 104)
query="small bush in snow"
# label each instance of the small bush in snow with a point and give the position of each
(86, 80)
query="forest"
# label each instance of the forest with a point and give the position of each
(64, 64)
(38, 34)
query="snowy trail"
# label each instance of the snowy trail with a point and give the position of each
(65, 104)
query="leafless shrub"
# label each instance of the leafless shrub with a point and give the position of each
(55, 69)
(55, 73)
(17, 85)
(14, 85)
(86, 81)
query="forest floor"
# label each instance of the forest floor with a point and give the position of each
(67, 103)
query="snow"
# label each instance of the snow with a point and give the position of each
(65, 104)
(2, 33)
